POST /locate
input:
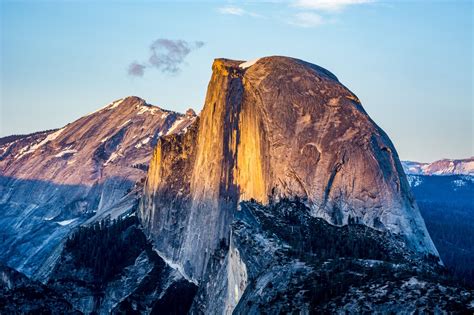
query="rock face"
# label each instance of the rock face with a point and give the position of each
(277, 127)
(55, 180)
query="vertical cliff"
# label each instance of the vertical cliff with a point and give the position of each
(278, 127)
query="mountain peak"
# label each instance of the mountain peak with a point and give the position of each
(129, 105)
(226, 66)
(273, 128)
(66, 175)
(190, 112)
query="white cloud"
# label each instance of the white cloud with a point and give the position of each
(231, 10)
(307, 19)
(329, 5)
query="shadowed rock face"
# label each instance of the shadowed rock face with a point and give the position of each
(280, 127)
(55, 180)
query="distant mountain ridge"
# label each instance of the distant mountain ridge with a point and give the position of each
(440, 167)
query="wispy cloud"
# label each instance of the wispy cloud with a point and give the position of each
(329, 5)
(233, 10)
(313, 13)
(306, 19)
(166, 55)
(299, 13)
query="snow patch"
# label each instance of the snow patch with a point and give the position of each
(32, 148)
(148, 108)
(142, 143)
(459, 183)
(174, 126)
(115, 104)
(66, 222)
(108, 106)
(248, 64)
(112, 158)
(180, 125)
(125, 123)
(64, 152)
(414, 180)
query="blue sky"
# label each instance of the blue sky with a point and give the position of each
(410, 62)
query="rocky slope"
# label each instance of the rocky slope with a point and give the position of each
(105, 268)
(110, 267)
(441, 167)
(295, 262)
(274, 128)
(55, 180)
(20, 295)
(280, 258)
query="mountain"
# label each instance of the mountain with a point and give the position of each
(441, 167)
(271, 129)
(283, 196)
(54, 181)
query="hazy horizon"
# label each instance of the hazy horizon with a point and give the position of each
(409, 63)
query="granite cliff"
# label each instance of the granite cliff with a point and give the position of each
(274, 128)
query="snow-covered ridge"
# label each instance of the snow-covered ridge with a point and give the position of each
(108, 106)
(441, 167)
(142, 108)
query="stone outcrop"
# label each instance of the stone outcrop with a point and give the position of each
(278, 127)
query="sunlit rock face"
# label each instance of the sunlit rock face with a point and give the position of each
(277, 127)
(55, 180)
